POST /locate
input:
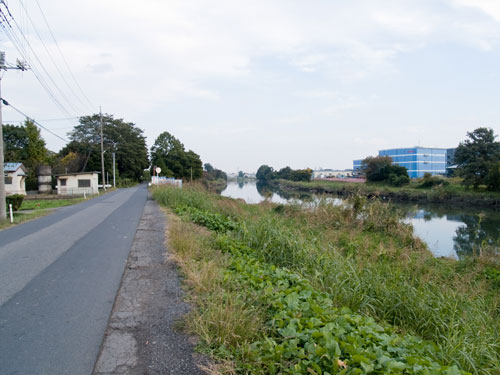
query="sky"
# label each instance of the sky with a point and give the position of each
(313, 83)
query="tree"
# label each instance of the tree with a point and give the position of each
(208, 167)
(380, 168)
(212, 173)
(376, 168)
(493, 179)
(123, 138)
(285, 173)
(301, 175)
(474, 156)
(15, 143)
(265, 173)
(25, 144)
(169, 154)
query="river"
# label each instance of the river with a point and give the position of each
(448, 231)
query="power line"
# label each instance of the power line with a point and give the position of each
(18, 44)
(49, 119)
(62, 55)
(5, 102)
(15, 40)
(50, 56)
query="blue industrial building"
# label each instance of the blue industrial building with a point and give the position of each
(418, 160)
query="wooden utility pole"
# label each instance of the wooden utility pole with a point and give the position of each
(102, 154)
(19, 66)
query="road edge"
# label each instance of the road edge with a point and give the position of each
(142, 334)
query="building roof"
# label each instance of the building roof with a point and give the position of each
(74, 174)
(12, 167)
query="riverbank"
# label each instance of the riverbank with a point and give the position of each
(453, 193)
(280, 289)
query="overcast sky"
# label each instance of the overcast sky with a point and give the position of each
(313, 83)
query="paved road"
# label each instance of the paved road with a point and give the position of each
(59, 276)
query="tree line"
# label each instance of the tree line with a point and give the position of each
(266, 173)
(24, 144)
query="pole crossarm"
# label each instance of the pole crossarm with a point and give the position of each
(3, 66)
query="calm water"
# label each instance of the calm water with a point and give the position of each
(448, 231)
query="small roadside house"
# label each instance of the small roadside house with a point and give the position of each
(77, 183)
(15, 178)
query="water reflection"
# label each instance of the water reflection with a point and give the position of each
(457, 232)
(448, 231)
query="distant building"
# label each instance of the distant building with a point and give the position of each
(418, 160)
(329, 173)
(356, 166)
(15, 178)
(77, 183)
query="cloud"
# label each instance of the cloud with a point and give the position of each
(244, 65)
(374, 141)
(101, 68)
(489, 7)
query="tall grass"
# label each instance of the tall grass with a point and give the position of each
(222, 318)
(365, 258)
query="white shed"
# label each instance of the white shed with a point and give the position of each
(77, 183)
(15, 178)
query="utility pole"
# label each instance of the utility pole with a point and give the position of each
(102, 154)
(19, 66)
(114, 180)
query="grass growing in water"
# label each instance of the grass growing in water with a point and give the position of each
(364, 258)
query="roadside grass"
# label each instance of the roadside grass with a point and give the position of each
(40, 207)
(367, 260)
(36, 204)
(22, 218)
(221, 319)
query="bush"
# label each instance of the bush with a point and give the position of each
(396, 180)
(125, 182)
(430, 181)
(15, 200)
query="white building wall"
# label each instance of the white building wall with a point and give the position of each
(72, 187)
(18, 185)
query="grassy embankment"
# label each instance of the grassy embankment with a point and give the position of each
(453, 193)
(282, 289)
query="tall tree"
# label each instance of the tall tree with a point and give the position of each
(15, 143)
(123, 138)
(169, 154)
(25, 144)
(476, 155)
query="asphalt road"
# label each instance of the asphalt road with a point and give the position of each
(59, 276)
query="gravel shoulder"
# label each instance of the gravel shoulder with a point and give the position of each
(143, 334)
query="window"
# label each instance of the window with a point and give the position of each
(63, 182)
(83, 183)
(8, 180)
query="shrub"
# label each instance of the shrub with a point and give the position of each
(16, 200)
(430, 181)
(125, 182)
(400, 180)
